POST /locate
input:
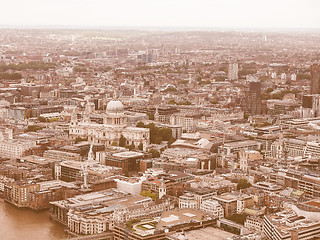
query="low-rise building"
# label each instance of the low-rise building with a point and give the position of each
(15, 149)
(290, 225)
(212, 207)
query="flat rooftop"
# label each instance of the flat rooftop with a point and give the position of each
(179, 216)
(204, 233)
(127, 154)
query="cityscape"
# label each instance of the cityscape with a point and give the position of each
(149, 133)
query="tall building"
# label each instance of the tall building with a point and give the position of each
(233, 71)
(315, 79)
(252, 103)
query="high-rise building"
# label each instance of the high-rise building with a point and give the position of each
(233, 71)
(252, 103)
(315, 79)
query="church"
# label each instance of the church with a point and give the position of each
(114, 125)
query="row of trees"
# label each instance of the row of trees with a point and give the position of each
(10, 76)
(33, 65)
(123, 143)
(43, 119)
(173, 102)
(279, 95)
(33, 128)
(158, 134)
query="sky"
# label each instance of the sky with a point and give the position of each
(251, 14)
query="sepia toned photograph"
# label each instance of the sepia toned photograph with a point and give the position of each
(160, 120)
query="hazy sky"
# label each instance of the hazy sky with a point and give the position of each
(166, 13)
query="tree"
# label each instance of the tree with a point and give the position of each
(151, 116)
(42, 119)
(79, 139)
(170, 89)
(131, 147)
(140, 125)
(33, 128)
(238, 218)
(172, 101)
(149, 194)
(171, 140)
(51, 120)
(140, 146)
(157, 135)
(131, 222)
(114, 143)
(243, 183)
(155, 153)
(122, 141)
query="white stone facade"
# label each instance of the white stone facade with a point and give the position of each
(212, 207)
(108, 133)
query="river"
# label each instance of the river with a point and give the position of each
(24, 224)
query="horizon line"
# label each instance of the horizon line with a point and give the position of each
(159, 28)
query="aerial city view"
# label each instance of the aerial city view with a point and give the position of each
(160, 120)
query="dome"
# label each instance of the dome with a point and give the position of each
(115, 106)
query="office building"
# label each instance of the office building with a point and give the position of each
(252, 103)
(315, 79)
(233, 71)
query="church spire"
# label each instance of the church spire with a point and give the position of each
(91, 154)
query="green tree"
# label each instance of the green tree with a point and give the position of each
(155, 153)
(149, 194)
(151, 116)
(131, 147)
(79, 139)
(243, 183)
(42, 119)
(170, 89)
(33, 128)
(122, 141)
(114, 143)
(171, 140)
(140, 125)
(172, 102)
(238, 218)
(131, 222)
(51, 120)
(184, 103)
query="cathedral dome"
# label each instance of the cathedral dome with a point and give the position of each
(115, 106)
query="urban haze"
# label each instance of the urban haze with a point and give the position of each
(160, 120)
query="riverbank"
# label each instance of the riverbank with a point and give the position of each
(26, 224)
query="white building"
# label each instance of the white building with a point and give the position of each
(233, 71)
(245, 156)
(212, 207)
(293, 77)
(254, 223)
(290, 225)
(188, 122)
(188, 200)
(129, 185)
(194, 200)
(15, 149)
(109, 133)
